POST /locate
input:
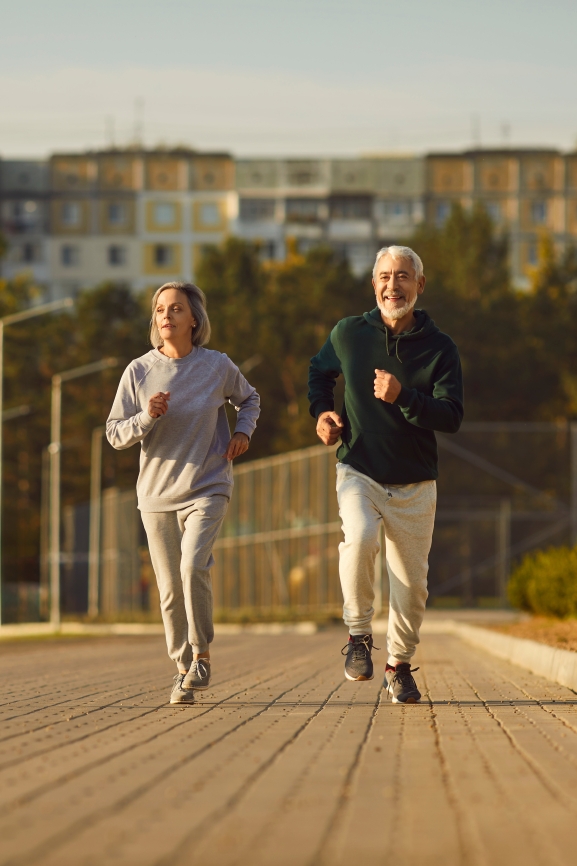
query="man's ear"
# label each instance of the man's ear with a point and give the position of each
(421, 287)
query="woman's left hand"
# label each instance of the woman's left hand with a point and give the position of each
(237, 446)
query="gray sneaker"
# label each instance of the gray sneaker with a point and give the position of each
(198, 676)
(180, 695)
(400, 684)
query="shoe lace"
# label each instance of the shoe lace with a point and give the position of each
(359, 649)
(178, 681)
(199, 667)
(404, 677)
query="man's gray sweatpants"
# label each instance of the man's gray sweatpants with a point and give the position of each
(180, 544)
(408, 515)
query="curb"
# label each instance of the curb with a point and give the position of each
(41, 629)
(554, 664)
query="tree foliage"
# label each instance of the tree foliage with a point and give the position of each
(518, 349)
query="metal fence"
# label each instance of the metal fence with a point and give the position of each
(504, 489)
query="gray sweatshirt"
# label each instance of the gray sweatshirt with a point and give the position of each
(181, 452)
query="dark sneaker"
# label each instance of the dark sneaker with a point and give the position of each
(198, 676)
(400, 684)
(359, 664)
(180, 695)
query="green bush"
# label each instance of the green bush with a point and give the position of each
(546, 582)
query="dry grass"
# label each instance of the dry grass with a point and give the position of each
(558, 633)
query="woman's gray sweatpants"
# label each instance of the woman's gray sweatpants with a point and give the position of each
(180, 544)
(408, 515)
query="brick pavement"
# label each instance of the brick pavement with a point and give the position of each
(282, 761)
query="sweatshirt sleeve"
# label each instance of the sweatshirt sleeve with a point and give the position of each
(245, 400)
(324, 370)
(444, 410)
(127, 424)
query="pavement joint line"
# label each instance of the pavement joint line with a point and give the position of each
(468, 850)
(547, 783)
(511, 802)
(344, 796)
(100, 707)
(32, 795)
(209, 822)
(82, 823)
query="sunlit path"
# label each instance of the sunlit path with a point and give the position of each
(281, 762)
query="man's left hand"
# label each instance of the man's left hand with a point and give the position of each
(387, 387)
(237, 446)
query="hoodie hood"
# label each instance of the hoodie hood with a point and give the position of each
(424, 326)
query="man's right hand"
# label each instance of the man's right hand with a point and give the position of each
(329, 427)
(158, 404)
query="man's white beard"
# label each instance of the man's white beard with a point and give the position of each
(396, 312)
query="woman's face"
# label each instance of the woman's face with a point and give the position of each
(174, 318)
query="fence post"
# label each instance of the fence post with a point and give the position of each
(573, 506)
(503, 549)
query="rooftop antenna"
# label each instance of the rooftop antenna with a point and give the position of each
(110, 131)
(139, 121)
(476, 130)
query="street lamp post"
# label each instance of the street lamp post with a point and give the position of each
(14, 319)
(54, 451)
(95, 515)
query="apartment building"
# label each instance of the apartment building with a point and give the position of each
(141, 217)
(526, 192)
(135, 217)
(24, 218)
(353, 206)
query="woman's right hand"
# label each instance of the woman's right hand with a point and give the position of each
(158, 404)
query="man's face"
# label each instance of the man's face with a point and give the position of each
(396, 286)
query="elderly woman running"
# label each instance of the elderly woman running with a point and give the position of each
(172, 401)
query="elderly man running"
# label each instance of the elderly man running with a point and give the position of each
(402, 382)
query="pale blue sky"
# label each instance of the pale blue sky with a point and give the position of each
(288, 76)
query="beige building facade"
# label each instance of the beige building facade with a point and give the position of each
(133, 217)
(526, 193)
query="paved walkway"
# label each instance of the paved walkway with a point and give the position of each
(282, 762)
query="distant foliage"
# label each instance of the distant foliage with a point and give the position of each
(545, 583)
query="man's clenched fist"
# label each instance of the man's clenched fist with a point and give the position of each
(329, 427)
(387, 387)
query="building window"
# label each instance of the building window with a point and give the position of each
(442, 212)
(493, 208)
(28, 253)
(116, 214)
(257, 209)
(69, 256)
(539, 212)
(532, 255)
(116, 255)
(303, 210)
(267, 250)
(164, 214)
(210, 214)
(163, 255)
(351, 207)
(70, 213)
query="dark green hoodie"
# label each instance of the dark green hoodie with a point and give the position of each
(392, 443)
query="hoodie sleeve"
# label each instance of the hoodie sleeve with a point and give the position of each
(324, 370)
(443, 411)
(244, 398)
(127, 424)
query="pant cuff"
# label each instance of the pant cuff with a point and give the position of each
(200, 648)
(356, 631)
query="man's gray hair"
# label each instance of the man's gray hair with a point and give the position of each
(400, 253)
(197, 303)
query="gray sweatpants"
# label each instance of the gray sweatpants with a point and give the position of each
(180, 544)
(408, 515)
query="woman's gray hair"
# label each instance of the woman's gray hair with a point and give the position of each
(197, 303)
(400, 253)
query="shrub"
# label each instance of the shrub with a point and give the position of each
(546, 582)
